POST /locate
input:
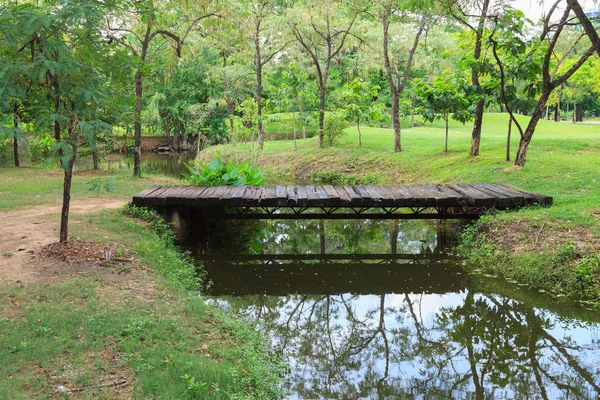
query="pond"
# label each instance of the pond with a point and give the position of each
(378, 309)
(169, 164)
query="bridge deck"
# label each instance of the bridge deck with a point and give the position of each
(481, 196)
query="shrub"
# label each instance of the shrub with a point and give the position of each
(334, 125)
(218, 172)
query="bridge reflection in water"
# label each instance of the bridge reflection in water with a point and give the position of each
(396, 318)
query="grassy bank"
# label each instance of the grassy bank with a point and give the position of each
(562, 162)
(121, 330)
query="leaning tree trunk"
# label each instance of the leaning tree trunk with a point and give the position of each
(137, 126)
(508, 139)
(476, 134)
(521, 157)
(396, 121)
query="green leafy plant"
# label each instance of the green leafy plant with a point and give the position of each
(334, 125)
(97, 184)
(218, 172)
(40, 149)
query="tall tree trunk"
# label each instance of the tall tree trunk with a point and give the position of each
(322, 235)
(95, 160)
(396, 121)
(508, 139)
(15, 140)
(412, 112)
(177, 138)
(521, 156)
(359, 134)
(394, 237)
(476, 134)
(68, 178)
(295, 130)
(259, 98)
(137, 126)
(304, 131)
(321, 116)
(579, 116)
(446, 146)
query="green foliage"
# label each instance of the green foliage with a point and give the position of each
(97, 184)
(218, 172)
(448, 94)
(41, 149)
(334, 125)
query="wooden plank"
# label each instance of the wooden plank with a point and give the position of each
(355, 198)
(302, 199)
(176, 196)
(331, 192)
(313, 198)
(468, 198)
(237, 197)
(530, 197)
(440, 197)
(214, 198)
(138, 199)
(227, 195)
(387, 198)
(503, 200)
(343, 196)
(364, 195)
(484, 198)
(401, 198)
(281, 196)
(189, 197)
(156, 198)
(323, 196)
(417, 196)
(268, 197)
(375, 197)
(291, 195)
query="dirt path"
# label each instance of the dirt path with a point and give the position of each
(24, 232)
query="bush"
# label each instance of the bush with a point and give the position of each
(334, 125)
(219, 173)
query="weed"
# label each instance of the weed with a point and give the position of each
(7, 254)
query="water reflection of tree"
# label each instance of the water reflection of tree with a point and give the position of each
(485, 347)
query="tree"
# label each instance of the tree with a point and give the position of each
(267, 45)
(358, 96)
(137, 30)
(66, 49)
(518, 68)
(398, 68)
(447, 94)
(322, 29)
(475, 15)
(548, 39)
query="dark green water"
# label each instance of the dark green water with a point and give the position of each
(170, 164)
(377, 309)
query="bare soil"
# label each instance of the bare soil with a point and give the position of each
(24, 234)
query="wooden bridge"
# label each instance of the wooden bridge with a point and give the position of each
(341, 202)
